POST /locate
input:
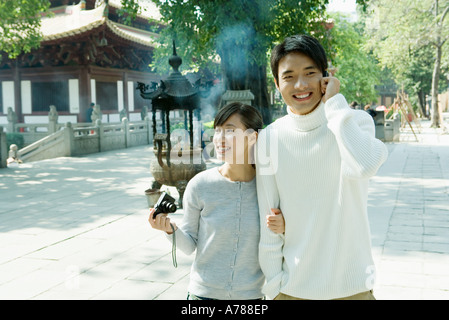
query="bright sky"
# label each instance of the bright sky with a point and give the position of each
(343, 6)
(346, 6)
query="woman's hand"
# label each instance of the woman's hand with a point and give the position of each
(161, 222)
(275, 221)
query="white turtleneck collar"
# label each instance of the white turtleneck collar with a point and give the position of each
(309, 121)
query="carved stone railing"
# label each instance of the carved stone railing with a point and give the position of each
(52, 146)
(34, 132)
(104, 137)
(52, 139)
(81, 140)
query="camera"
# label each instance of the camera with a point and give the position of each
(165, 204)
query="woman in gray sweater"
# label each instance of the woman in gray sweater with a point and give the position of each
(221, 215)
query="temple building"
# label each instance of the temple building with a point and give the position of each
(86, 56)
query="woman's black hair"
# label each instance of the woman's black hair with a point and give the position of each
(250, 116)
(304, 44)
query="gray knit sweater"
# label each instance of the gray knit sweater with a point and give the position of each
(221, 221)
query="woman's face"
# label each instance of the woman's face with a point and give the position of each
(232, 141)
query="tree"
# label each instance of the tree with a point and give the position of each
(416, 76)
(357, 68)
(440, 37)
(19, 25)
(238, 34)
(404, 30)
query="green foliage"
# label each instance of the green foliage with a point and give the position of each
(414, 73)
(19, 25)
(235, 37)
(128, 11)
(14, 138)
(232, 30)
(403, 35)
(204, 30)
(358, 71)
(208, 125)
(180, 125)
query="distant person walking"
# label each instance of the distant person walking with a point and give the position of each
(89, 112)
(370, 111)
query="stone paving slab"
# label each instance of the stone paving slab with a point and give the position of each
(412, 252)
(76, 228)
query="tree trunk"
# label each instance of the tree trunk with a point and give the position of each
(257, 83)
(436, 118)
(239, 74)
(422, 103)
(436, 121)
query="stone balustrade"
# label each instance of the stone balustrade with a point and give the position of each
(33, 132)
(53, 139)
(98, 137)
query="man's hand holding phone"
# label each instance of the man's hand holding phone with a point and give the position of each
(330, 86)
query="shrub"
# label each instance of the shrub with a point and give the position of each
(14, 138)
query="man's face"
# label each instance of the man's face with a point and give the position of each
(299, 82)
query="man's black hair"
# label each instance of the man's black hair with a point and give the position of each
(304, 44)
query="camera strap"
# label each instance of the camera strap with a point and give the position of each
(173, 248)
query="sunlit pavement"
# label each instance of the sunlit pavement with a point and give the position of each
(76, 228)
(409, 217)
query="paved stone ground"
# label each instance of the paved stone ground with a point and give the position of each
(409, 217)
(76, 228)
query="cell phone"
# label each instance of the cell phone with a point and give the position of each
(325, 73)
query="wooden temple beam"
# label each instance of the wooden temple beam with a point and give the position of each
(84, 93)
(17, 93)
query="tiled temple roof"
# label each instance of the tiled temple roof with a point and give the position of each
(75, 21)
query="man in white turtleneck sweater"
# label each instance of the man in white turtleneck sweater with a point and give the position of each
(314, 164)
